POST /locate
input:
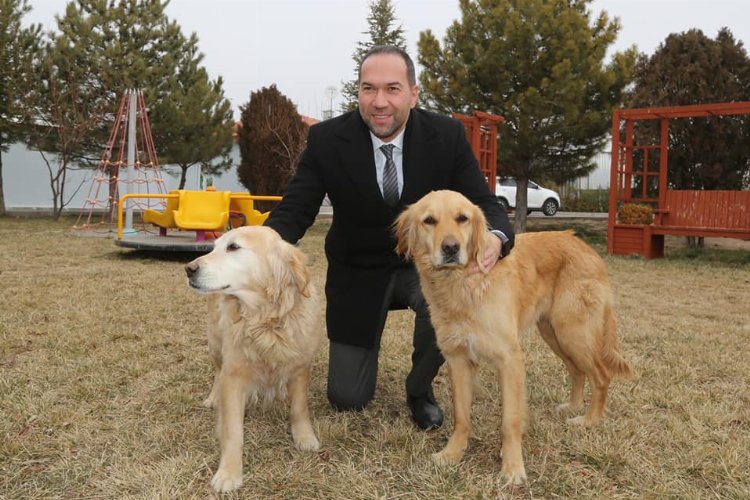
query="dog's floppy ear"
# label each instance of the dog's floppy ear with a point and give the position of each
(300, 272)
(478, 242)
(405, 233)
(288, 268)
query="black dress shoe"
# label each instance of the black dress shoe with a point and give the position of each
(425, 412)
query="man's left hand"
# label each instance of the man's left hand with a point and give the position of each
(492, 254)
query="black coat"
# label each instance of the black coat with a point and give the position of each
(339, 161)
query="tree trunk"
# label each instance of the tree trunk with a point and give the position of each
(183, 177)
(2, 192)
(695, 242)
(521, 204)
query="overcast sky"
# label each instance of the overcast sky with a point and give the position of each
(305, 46)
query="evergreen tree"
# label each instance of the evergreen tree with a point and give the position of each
(691, 68)
(271, 139)
(101, 49)
(381, 20)
(539, 64)
(18, 46)
(198, 119)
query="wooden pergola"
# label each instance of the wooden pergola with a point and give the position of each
(681, 212)
(481, 131)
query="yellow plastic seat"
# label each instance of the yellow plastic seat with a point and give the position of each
(242, 212)
(163, 219)
(202, 211)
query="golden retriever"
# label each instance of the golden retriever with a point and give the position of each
(551, 281)
(264, 328)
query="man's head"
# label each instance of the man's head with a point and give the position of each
(387, 90)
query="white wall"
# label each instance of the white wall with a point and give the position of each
(26, 180)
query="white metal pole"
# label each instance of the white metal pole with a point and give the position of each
(130, 173)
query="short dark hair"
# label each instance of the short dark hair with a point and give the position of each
(411, 75)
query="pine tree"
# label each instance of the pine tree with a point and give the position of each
(381, 20)
(271, 139)
(196, 114)
(539, 64)
(101, 49)
(18, 47)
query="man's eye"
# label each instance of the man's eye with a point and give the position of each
(232, 247)
(461, 219)
(430, 220)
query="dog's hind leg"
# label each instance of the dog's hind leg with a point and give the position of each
(577, 377)
(299, 412)
(584, 352)
(462, 372)
(599, 380)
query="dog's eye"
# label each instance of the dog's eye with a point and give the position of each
(232, 247)
(461, 218)
(430, 220)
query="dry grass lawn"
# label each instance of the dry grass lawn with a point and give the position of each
(103, 365)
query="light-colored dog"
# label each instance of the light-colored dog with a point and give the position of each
(550, 281)
(264, 328)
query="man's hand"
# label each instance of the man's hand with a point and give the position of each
(492, 254)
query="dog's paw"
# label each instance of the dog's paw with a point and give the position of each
(307, 443)
(446, 458)
(568, 408)
(583, 421)
(224, 481)
(516, 476)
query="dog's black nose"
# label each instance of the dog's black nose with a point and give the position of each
(191, 268)
(450, 247)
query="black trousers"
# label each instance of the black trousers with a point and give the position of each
(353, 370)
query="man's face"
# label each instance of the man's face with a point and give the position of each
(385, 96)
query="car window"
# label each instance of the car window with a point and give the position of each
(507, 182)
(533, 185)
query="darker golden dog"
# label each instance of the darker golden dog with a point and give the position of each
(264, 325)
(551, 281)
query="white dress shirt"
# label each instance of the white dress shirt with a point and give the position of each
(398, 159)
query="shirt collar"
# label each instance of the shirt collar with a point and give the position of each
(398, 141)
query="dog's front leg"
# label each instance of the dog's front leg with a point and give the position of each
(230, 413)
(462, 372)
(214, 348)
(299, 412)
(513, 382)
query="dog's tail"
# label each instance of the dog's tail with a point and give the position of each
(613, 359)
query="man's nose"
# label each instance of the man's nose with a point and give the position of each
(380, 101)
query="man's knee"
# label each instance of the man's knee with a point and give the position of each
(344, 398)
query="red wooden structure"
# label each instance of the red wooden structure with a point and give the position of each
(481, 131)
(676, 212)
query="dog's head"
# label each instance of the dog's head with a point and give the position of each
(249, 261)
(441, 230)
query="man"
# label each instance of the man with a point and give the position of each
(368, 186)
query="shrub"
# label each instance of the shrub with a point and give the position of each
(586, 200)
(635, 213)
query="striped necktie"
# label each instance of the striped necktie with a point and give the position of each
(390, 178)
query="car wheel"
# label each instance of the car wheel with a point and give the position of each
(503, 203)
(550, 207)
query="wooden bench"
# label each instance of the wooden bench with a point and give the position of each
(724, 214)
(715, 214)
